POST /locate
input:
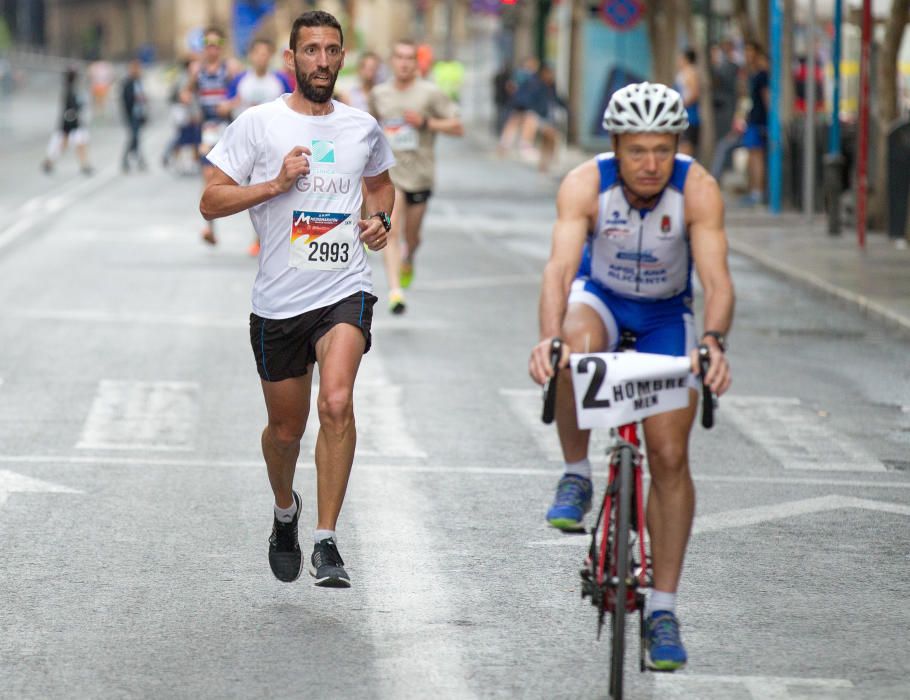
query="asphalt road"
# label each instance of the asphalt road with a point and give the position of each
(135, 510)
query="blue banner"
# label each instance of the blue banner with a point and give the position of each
(247, 15)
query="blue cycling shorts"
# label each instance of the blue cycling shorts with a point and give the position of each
(663, 327)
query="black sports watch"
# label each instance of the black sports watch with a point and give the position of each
(719, 337)
(384, 218)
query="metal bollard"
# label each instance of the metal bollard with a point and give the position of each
(833, 183)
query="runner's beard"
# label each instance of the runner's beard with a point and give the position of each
(310, 91)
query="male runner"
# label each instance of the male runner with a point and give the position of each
(255, 87)
(305, 156)
(412, 111)
(209, 82)
(629, 226)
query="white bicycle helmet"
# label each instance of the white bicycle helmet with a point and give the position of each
(646, 108)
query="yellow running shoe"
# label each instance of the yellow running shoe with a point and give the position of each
(406, 276)
(396, 303)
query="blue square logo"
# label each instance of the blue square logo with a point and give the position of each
(323, 151)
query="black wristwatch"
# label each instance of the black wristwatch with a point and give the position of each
(385, 219)
(719, 337)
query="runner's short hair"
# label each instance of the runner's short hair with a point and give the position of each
(214, 30)
(314, 18)
(264, 41)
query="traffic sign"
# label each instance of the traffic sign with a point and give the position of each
(622, 15)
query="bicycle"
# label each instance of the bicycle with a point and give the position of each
(618, 567)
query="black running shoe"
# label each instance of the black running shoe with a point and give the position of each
(327, 567)
(284, 550)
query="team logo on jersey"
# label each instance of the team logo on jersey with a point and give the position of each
(665, 224)
(323, 151)
(616, 219)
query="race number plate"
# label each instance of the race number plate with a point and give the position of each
(322, 240)
(612, 389)
(401, 135)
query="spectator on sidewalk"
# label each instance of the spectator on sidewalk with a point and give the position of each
(755, 137)
(503, 91)
(71, 129)
(518, 109)
(135, 113)
(540, 120)
(687, 85)
(725, 84)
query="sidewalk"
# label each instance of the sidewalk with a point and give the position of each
(876, 279)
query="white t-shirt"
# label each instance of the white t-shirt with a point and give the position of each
(311, 255)
(255, 90)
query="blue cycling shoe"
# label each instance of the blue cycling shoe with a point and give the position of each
(665, 650)
(573, 500)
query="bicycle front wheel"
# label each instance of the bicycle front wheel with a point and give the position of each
(619, 569)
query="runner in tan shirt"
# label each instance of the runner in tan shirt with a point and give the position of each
(411, 112)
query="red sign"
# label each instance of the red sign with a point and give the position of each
(622, 15)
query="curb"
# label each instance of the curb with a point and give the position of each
(871, 308)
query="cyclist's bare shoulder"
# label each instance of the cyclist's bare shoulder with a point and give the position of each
(579, 190)
(704, 204)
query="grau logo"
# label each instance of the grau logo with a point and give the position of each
(324, 184)
(323, 151)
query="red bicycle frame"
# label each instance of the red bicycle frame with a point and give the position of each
(628, 434)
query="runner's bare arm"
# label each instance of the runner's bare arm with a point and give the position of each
(576, 203)
(223, 196)
(379, 195)
(704, 207)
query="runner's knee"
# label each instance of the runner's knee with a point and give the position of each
(336, 409)
(285, 434)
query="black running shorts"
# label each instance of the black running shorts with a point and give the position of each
(285, 347)
(418, 197)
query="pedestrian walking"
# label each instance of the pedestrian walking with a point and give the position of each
(71, 129)
(304, 156)
(687, 85)
(725, 90)
(411, 111)
(135, 114)
(755, 137)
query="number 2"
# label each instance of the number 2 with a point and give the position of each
(600, 371)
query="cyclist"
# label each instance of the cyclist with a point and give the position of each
(209, 82)
(305, 156)
(629, 226)
(412, 111)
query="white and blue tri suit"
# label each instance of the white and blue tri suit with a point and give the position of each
(636, 270)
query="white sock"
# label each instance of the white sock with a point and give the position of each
(320, 535)
(286, 515)
(660, 600)
(581, 468)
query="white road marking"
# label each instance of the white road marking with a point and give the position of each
(102, 316)
(11, 482)
(781, 511)
(430, 469)
(35, 210)
(408, 598)
(130, 415)
(480, 282)
(796, 436)
(704, 686)
(742, 517)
